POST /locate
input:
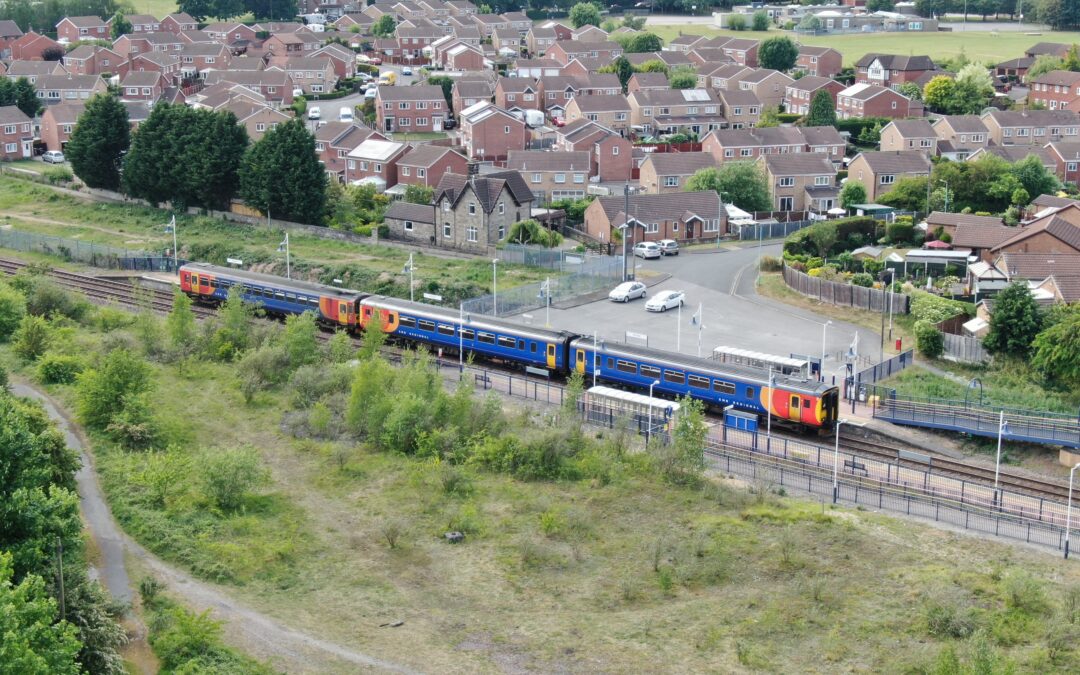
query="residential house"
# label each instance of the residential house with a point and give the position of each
(1057, 233)
(539, 39)
(611, 156)
(489, 133)
(565, 51)
(552, 176)
(179, 22)
(197, 59)
(74, 28)
(425, 164)
(257, 120)
(410, 222)
(91, 60)
(642, 81)
(824, 62)
(230, 32)
(556, 91)
(683, 216)
(870, 100)
(1031, 127)
(892, 70)
(534, 68)
(300, 43)
(417, 108)
(598, 84)
(1066, 160)
(1058, 49)
(168, 65)
(721, 77)
(274, 84)
(343, 60)
(333, 143)
(470, 92)
(611, 111)
(960, 135)
(142, 85)
(1014, 153)
(695, 111)
(940, 223)
(589, 33)
(16, 134)
(668, 171)
(68, 88)
(801, 182)
(683, 43)
(515, 93)
(473, 213)
(741, 108)
(825, 140)
(58, 122)
(462, 58)
(9, 33)
(411, 41)
(770, 86)
(799, 94)
(34, 47)
(980, 239)
(143, 23)
(742, 51)
(1056, 90)
(910, 135)
(879, 171)
(31, 70)
(141, 43)
(375, 161)
(727, 145)
(314, 75)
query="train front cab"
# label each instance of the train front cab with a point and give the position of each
(197, 285)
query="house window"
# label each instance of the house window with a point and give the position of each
(470, 233)
(405, 122)
(421, 105)
(511, 97)
(710, 110)
(472, 208)
(746, 152)
(11, 147)
(506, 130)
(925, 143)
(502, 208)
(560, 178)
(421, 121)
(502, 230)
(260, 127)
(422, 173)
(787, 181)
(406, 171)
(209, 59)
(671, 181)
(729, 152)
(821, 180)
(620, 117)
(386, 106)
(537, 178)
(712, 225)
(652, 227)
(615, 150)
(404, 105)
(786, 203)
(446, 230)
(592, 117)
(378, 168)
(408, 226)
(647, 112)
(887, 179)
(579, 178)
(754, 110)
(737, 111)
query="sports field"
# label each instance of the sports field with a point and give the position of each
(982, 46)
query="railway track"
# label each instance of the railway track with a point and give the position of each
(978, 474)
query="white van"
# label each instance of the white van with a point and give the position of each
(314, 113)
(345, 114)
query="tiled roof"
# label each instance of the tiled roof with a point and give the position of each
(487, 188)
(10, 114)
(799, 164)
(1039, 265)
(420, 92)
(541, 160)
(955, 219)
(897, 161)
(1058, 78)
(601, 103)
(679, 163)
(1033, 118)
(963, 124)
(403, 210)
(975, 235)
(66, 113)
(1057, 227)
(811, 83)
(897, 62)
(914, 128)
(650, 208)
(425, 155)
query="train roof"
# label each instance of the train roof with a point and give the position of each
(759, 376)
(449, 315)
(274, 280)
(602, 392)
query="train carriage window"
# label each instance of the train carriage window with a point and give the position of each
(407, 321)
(610, 363)
(445, 330)
(507, 342)
(650, 371)
(467, 334)
(487, 338)
(280, 295)
(521, 345)
(626, 366)
(291, 297)
(213, 283)
(723, 387)
(427, 325)
(749, 392)
(698, 381)
(806, 403)
(676, 376)
(532, 347)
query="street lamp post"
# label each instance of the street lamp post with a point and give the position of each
(494, 288)
(625, 228)
(284, 246)
(1003, 426)
(595, 358)
(971, 385)
(409, 269)
(836, 464)
(892, 279)
(648, 431)
(171, 227)
(1068, 511)
(821, 369)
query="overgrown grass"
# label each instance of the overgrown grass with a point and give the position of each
(36, 208)
(599, 565)
(1006, 383)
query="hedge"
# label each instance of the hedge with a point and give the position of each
(933, 308)
(855, 126)
(851, 233)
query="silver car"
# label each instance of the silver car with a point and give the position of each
(647, 249)
(668, 246)
(53, 157)
(627, 291)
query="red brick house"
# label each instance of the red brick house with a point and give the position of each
(1056, 90)
(142, 43)
(274, 85)
(611, 156)
(683, 216)
(91, 60)
(16, 135)
(425, 164)
(611, 111)
(470, 92)
(142, 85)
(416, 108)
(9, 32)
(230, 32)
(891, 70)
(800, 93)
(74, 28)
(516, 93)
(197, 59)
(375, 161)
(742, 51)
(879, 171)
(819, 61)
(870, 100)
(335, 140)
(565, 51)
(178, 23)
(168, 65)
(343, 60)
(32, 47)
(1066, 156)
(312, 74)
(58, 122)
(489, 133)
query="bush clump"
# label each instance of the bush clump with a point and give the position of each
(58, 368)
(929, 340)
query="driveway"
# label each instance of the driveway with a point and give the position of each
(733, 314)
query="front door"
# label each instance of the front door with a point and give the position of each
(389, 124)
(436, 123)
(793, 410)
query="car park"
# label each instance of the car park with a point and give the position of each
(647, 249)
(53, 157)
(668, 246)
(665, 300)
(627, 291)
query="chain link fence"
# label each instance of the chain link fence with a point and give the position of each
(95, 255)
(593, 274)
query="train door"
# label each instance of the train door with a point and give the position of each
(551, 356)
(343, 312)
(794, 411)
(580, 360)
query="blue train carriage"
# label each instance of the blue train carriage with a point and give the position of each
(805, 402)
(278, 296)
(446, 328)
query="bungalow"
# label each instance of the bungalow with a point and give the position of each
(682, 216)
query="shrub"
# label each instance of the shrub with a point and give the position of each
(947, 619)
(934, 309)
(58, 369)
(737, 22)
(770, 264)
(229, 474)
(929, 340)
(12, 310)
(31, 339)
(862, 279)
(134, 426)
(49, 300)
(58, 174)
(900, 232)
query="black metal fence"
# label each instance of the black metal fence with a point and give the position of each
(887, 368)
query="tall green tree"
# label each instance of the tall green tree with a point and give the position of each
(120, 25)
(31, 640)
(447, 84)
(180, 326)
(743, 184)
(642, 42)
(778, 53)
(852, 193)
(682, 78)
(198, 9)
(281, 174)
(939, 93)
(278, 10)
(20, 93)
(1014, 321)
(623, 68)
(584, 14)
(98, 144)
(1056, 350)
(103, 392)
(384, 27)
(822, 110)
(760, 21)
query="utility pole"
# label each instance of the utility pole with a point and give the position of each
(626, 228)
(60, 575)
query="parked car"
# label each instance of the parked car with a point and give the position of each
(297, 92)
(668, 246)
(627, 291)
(345, 114)
(314, 113)
(53, 157)
(377, 61)
(406, 71)
(647, 249)
(371, 93)
(665, 300)
(449, 123)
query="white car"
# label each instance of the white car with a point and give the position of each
(53, 157)
(314, 113)
(406, 71)
(627, 291)
(371, 93)
(665, 300)
(647, 249)
(345, 114)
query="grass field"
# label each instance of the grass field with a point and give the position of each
(156, 8)
(982, 46)
(36, 208)
(616, 572)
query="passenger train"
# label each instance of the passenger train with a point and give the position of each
(805, 402)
